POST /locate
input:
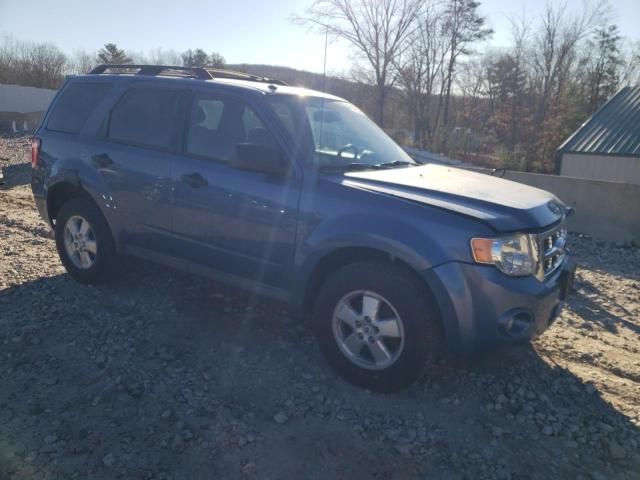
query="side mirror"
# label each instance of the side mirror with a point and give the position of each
(259, 158)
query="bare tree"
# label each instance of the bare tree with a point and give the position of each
(554, 55)
(216, 60)
(472, 117)
(80, 62)
(158, 56)
(463, 27)
(426, 53)
(631, 72)
(377, 29)
(508, 78)
(33, 64)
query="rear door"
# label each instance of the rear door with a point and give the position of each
(237, 222)
(135, 160)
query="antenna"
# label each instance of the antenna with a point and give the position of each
(324, 83)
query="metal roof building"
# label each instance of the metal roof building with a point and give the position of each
(607, 146)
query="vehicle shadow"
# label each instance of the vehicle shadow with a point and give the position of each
(163, 375)
(610, 316)
(14, 175)
(606, 258)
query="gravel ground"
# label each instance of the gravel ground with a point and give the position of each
(166, 376)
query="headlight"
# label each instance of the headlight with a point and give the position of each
(515, 255)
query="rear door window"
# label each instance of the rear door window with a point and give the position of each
(75, 104)
(146, 117)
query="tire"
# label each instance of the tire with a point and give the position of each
(101, 253)
(408, 346)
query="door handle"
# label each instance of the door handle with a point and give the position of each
(194, 180)
(102, 160)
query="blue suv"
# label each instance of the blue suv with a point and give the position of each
(295, 194)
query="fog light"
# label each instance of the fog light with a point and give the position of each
(515, 323)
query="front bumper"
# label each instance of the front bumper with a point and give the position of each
(482, 307)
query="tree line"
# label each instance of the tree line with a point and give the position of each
(510, 107)
(44, 65)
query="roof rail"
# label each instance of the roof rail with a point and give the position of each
(202, 73)
(222, 73)
(197, 72)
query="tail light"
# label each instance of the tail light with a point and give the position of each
(35, 152)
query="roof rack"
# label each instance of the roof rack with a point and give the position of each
(196, 72)
(221, 73)
(201, 73)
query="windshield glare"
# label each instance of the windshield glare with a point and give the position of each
(343, 134)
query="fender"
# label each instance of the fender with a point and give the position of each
(74, 171)
(394, 236)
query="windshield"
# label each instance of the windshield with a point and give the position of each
(343, 136)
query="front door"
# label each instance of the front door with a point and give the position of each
(236, 222)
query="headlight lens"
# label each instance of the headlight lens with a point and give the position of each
(515, 255)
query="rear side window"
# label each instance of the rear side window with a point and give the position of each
(146, 117)
(74, 106)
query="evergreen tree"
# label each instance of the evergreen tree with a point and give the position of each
(195, 58)
(111, 54)
(604, 65)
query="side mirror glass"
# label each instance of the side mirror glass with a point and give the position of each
(259, 158)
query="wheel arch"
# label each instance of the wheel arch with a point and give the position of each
(66, 189)
(335, 259)
(60, 193)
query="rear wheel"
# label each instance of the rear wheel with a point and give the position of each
(376, 326)
(84, 241)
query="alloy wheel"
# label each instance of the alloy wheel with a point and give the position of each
(80, 242)
(368, 330)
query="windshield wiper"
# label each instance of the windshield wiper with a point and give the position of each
(352, 166)
(396, 163)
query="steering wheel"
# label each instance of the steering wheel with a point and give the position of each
(348, 147)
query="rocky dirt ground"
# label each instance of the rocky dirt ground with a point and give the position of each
(165, 376)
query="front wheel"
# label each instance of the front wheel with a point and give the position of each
(376, 326)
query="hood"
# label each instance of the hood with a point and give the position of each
(503, 204)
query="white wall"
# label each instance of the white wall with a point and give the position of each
(601, 167)
(605, 210)
(19, 99)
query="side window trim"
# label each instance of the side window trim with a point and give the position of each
(174, 147)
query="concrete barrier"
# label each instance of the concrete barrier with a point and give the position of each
(604, 210)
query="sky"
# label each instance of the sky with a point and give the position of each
(243, 31)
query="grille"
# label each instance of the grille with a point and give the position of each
(552, 247)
